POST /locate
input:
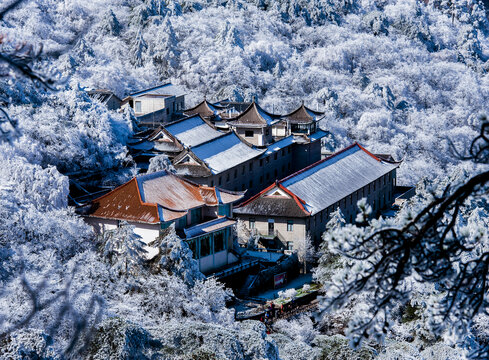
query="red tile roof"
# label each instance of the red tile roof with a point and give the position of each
(158, 197)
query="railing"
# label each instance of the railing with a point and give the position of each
(233, 270)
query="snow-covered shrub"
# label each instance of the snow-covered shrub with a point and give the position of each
(160, 162)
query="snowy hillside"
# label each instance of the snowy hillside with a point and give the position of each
(403, 77)
(400, 76)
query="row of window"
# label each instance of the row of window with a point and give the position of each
(208, 244)
(290, 224)
(138, 107)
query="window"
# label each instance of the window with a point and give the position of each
(252, 223)
(351, 199)
(248, 133)
(290, 225)
(261, 162)
(290, 245)
(138, 107)
(212, 183)
(275, 156)
(192, 244)
(243, 187)
(283, 152)
(167, 111)
(374, 185)
(219, 244)
(268, 159)
(235, 173)
(251, 184)
(205, 246)
(243, 171)
(251, 166)
(288, 149)
(227, 177)
(220, 180)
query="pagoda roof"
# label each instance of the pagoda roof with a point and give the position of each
(303, 115)
(204, 109)
(254, 116)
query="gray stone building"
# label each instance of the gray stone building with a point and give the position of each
(302, 203)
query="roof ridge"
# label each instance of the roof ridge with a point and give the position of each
(256, 196)
(141, 202)
(150, 88)
(208, 141)
(324, 160)
(182, 119)
(297, 199)
(114, 189)
(226, 190)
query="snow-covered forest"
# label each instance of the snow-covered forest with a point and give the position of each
(403, 77)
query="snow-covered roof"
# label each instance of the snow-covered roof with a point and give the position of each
(204, 109)
(166, 90)
(291, 139)
(255, 116)
(319, 185)
(328, 181)
(208, 227)
(193, 131)
(319, 134)
(158, 197)
(225, 152)
(279, 145)
(303, 115)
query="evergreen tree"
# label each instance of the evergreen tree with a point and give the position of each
(124, 249)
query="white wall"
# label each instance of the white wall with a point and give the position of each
(214, 261)
(148, 232)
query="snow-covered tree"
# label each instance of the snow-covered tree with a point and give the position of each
(433, 241)
(305, 251)
(160, 162)
(124, 249)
